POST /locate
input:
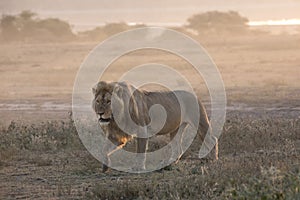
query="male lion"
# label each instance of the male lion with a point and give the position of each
(137, 103)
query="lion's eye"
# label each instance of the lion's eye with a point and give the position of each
(97, 102)
(108, 101)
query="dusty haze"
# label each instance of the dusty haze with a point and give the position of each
(41, 155)
(168, 12)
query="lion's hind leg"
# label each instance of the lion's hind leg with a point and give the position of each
(176, 138)
(141, 148)
(206, 144)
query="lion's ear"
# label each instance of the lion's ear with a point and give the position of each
(102, 85)
(94, 90)
(118, 90)
(110, 87)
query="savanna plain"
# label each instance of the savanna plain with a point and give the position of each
(42, 156)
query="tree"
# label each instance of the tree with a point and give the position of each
(26, 24)
(113, 28)
(56, 26)
(9, 28)
(27, 15)
(27, 27)
(218, 22)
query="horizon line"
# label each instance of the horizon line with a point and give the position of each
(282, 22)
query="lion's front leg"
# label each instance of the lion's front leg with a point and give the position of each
(108, 149)
(142, 144)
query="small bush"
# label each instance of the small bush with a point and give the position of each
(47, 136)
(272, 184)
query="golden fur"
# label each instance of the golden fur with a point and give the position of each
(139, 105)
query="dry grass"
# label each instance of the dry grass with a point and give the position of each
(259, 159)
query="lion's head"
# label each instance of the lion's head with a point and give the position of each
(102, 101)
(126, 101)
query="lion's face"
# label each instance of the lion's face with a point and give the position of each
(102, 102)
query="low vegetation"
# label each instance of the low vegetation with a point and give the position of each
(49, 136)
(259, 159)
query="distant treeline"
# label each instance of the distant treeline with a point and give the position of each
(28, 27)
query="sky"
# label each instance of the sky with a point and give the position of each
(95, 12)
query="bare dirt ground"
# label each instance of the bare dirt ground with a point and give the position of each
(259, 149)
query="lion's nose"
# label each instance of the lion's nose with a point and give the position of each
(101, 113)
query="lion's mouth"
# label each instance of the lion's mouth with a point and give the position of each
(103, 120)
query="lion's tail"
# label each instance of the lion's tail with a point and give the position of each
(204, 129)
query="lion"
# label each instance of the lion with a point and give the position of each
(139, 103)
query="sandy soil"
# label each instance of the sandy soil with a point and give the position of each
(43, 73)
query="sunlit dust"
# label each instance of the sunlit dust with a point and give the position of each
(283, 22)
